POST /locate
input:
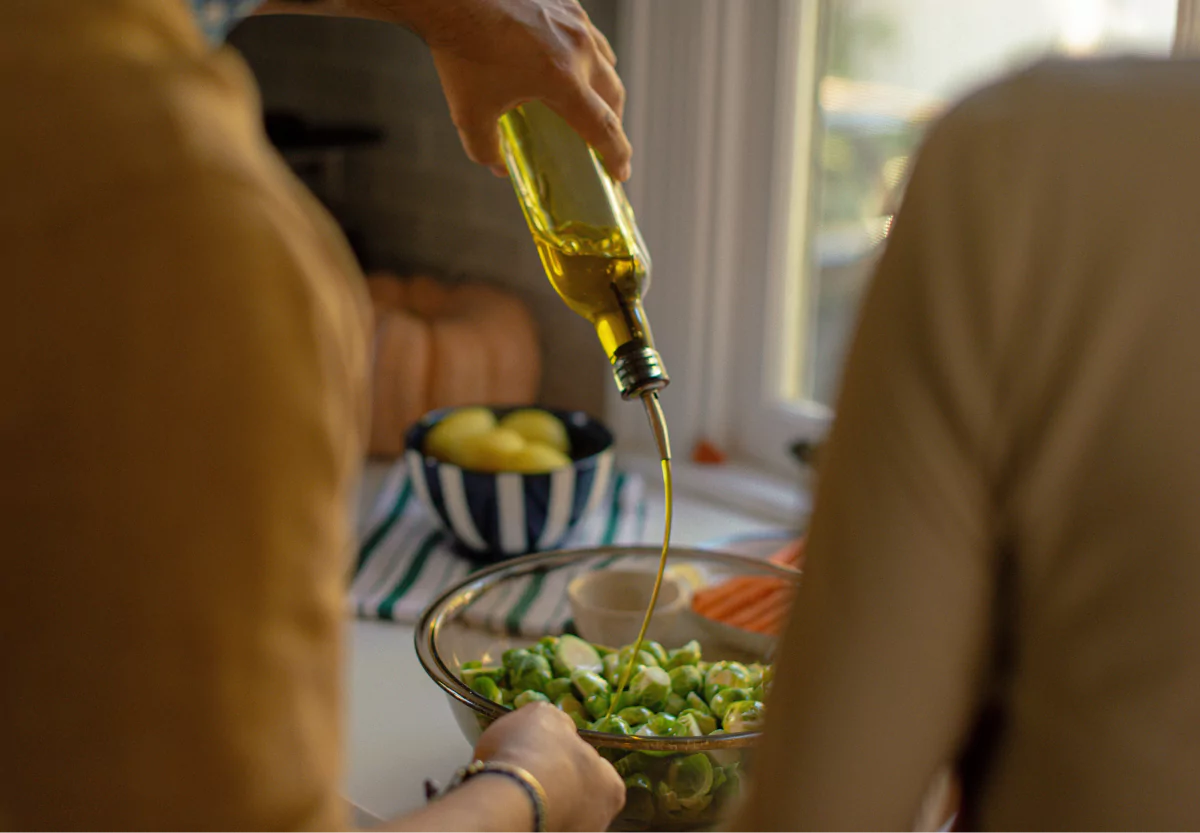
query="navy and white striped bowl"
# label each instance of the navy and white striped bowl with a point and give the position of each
(498, 515)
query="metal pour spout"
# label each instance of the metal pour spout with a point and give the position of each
(657, 424)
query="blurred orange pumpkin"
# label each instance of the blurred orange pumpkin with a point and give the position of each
(441, 345)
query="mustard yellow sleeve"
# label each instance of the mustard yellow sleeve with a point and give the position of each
(882, 666)
(182, 428)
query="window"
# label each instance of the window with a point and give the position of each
(888, 68)
(772, 140)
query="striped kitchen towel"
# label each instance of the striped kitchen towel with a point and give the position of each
(406, 560)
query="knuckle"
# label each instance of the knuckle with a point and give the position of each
(611, 123)
(619, 95)
(578, 36)
(561, 72)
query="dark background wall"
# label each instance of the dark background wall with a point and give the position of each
(414, 202)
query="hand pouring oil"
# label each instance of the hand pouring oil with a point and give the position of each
(594, 255)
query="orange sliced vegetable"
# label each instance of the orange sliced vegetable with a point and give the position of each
(754, 589)
(755, 611)
(791, 555)
(708, 599)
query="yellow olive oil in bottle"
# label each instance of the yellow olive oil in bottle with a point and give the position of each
(594, 255)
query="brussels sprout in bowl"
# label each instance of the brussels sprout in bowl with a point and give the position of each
(680, 734)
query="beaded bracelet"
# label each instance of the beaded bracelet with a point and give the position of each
(522, 776)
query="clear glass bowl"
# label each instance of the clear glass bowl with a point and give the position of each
(444, 641)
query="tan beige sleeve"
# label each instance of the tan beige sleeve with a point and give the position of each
(880, 671)
(183, 427)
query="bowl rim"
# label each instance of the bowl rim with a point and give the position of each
(469, 588)
(430, 418)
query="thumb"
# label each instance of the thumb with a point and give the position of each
(478, 124)
(480, 137)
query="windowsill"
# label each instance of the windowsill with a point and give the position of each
(732, 486)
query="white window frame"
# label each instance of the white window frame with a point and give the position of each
(721, 174)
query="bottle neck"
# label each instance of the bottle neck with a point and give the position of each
(638, 369)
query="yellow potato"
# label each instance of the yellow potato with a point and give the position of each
(538, 426)
(491, 451)
(445, 438)
(537, 458)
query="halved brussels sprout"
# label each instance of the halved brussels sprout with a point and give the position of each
(638, 813)
(625, 700)
(527, 697)
(512, 655)
(558, 687)
(728, 788)
(597, 705)
(725, 674)
(744, 716)
(651, 686)
(721, 701)
(675, 704)
(696, 702)
(705, 722)
(636, 715)
(689, 777)
(644, 657)
(570, 704)
(612, 725)
(656, 650)
(545, 647)
(688, 654)
(529, 671)
(611, 668)
(686, 726)
(634, 763)
(719, 778)
(573, 654)
(588, 683)
(470, 675)
(661, 725)
(486, 687)
(685, 679)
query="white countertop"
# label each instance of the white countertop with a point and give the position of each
(400, 730)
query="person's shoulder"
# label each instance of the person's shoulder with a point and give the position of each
(1067, 91)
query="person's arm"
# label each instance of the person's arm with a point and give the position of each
(486, 803)
(365, 9)
(207, 544)
(493, 55)
(882, 667)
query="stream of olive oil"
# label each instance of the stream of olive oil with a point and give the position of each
(662, 568)
(597, 277)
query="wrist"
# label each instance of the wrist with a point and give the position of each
(522, 791)
(414, 15)
(498, 791)
(422, 17)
